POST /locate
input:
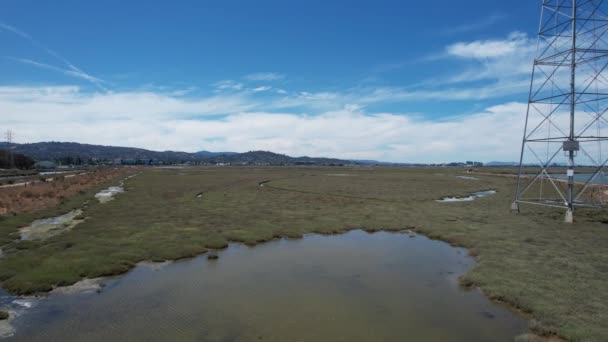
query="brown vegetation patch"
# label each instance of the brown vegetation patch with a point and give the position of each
(51, 192)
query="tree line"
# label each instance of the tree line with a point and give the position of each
(9, 160)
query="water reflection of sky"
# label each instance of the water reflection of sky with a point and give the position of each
(600, 178)
(350, 287)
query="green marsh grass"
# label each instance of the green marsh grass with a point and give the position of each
(554, 273)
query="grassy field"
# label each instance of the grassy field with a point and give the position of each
(555, 273)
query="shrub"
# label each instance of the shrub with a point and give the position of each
(216, 242)
(27, 194)
(26, 244)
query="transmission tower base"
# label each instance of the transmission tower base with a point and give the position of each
(569, 216)
(515, 207)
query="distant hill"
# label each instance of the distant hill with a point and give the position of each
(213, 154)
(270, 158)
(61, 151)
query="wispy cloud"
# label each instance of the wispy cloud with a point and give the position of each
(486, 69)
(227, 85)
(387, 67)
(71, 70)
(265, 76)
(486, 22)
(262, 88)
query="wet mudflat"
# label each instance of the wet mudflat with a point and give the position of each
(349, 287)
(45, 228)
(469, 198)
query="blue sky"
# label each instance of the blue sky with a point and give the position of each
(386, 80)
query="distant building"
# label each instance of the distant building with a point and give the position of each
(45, 165)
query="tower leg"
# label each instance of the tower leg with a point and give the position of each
(515, 207)
(569, 216)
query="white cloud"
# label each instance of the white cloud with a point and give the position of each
(317, 101)
(505, 62)
(370, 96)
(393, 94)
(480, 49)
(337, 124)
(485, 69)
(162, 122)
(228, 85)
(264, 76)
(499, 67)
(318, 96)
(68, 103)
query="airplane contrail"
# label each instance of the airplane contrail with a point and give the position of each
(71, 70)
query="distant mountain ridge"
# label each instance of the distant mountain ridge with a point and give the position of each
(271, 158)
(213, 154)
(61, 150)
(58, 150)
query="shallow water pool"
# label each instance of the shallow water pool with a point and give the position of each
(349, 287)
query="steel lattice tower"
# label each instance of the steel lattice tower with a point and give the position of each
(9, 141)
(565, 122)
